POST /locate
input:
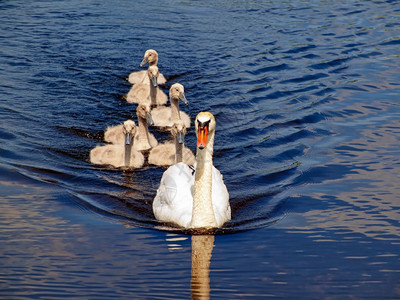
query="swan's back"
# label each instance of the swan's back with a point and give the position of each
(138, 77)
(114, 155)
(164, 155)
(115, 134)
(162, 117)
(138, 93)
(174, 200)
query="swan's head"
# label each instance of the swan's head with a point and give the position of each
(177, 91)
(150, 56)
(152, 72)
(178, 130)
(205, 128)
(129, 129)
(143, 112)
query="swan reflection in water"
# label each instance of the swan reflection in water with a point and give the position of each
(202, 247)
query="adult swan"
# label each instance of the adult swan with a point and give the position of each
(196, 199)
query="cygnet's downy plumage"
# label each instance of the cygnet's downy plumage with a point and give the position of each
(166, 116)
(144, 140)
(120, 154)
(148, 92)
(150, 57)
(173, 152)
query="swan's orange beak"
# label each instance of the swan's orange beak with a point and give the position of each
(202, 137)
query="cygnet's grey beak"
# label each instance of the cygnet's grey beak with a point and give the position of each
(144, 61)
(128, 138)
(183, 98)
(154, 81)
(181, 137)
(149, 119)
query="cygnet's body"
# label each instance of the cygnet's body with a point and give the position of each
(150, 57)
(166, 116)
(121, 154)
(173, 152)
(144, 140)
(148, 92)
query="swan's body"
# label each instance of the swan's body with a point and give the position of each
(114, 155)
(173, 152)
(199, 199)
(166, 116)
(148, 92)
(121, 154)
(150, 57)
(144, 140)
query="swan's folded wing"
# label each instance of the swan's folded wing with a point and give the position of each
(220, 198)
(138, 77)
(161, 79)
(174, 200)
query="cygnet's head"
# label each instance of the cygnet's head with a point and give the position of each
(152, 72)
(178, 130)
(129, 129)
(177, 91)
(143, 112)
(205, 128)
(150, 56)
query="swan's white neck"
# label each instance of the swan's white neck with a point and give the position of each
(143, 132)
(203, 212)
(175, 110)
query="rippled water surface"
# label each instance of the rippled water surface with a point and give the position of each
(306, 96)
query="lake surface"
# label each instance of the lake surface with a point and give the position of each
(306, 96)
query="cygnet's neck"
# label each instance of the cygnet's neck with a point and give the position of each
(175, 110)
(143, 132)
(178, 151)
(153, 93)
(127, 154)
(203, 213)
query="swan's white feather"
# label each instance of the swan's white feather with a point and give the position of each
(174, 200)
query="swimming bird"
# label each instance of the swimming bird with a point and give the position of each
(144, 140)
(172, 152)
(166, 116)
(149, 91)
(150, 57)
(119, 155)
(199, 200)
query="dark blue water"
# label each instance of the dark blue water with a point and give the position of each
(306, 96)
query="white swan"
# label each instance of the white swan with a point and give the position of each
(119, 155)
(148, 92)
(198, 200)
(166, 116)
(150, 57)
(172, 152)
(144, 140)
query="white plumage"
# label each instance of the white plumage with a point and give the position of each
(197, 199)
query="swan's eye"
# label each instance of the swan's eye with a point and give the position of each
(203, 124)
